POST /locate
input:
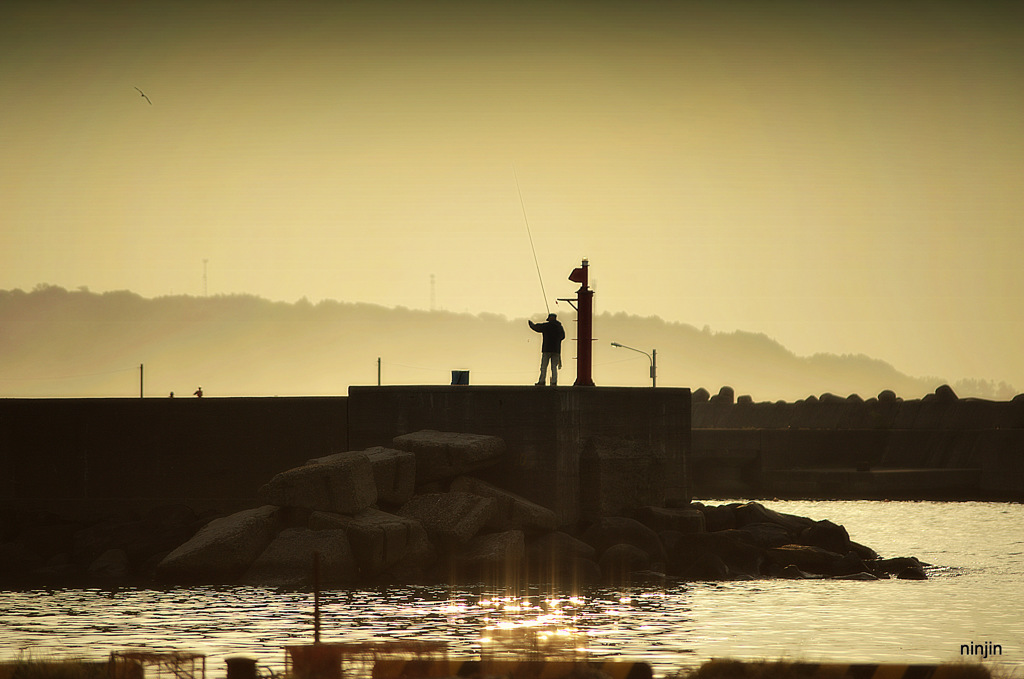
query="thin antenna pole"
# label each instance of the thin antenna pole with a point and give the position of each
(316, 597)
(142, 369)
(528, 233)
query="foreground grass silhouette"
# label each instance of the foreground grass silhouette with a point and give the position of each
(779, 669)
(714, 669)
(53, 669)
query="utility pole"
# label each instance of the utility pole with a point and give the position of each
(142, 368)
(378, 371)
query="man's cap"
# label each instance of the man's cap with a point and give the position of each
(552, 317)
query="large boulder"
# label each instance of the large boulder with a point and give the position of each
(59, 572)
(168, 518)
(791, 572)
(494, 557)
(512, 512)
(717, 517)
(394, 472)
(706, 566)
(450, 519)
(815, 560)
(613, 530)
(863, 551)
(558, 546)
(558, 557)
(443, 455)
(379, 540)
(682, 520)
(755, 512)
(223, 549)
(904, 568)
(762, 535)
(110, 566)
(288, 561)
(122, 532)
(159, 532)
(862, 575)
(619, 561)
(420, 556)
(713, 556)
(52, 537)
(341, 483)
(827, 535)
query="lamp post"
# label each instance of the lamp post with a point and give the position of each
(654, 360)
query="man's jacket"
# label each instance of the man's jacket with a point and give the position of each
(553, 334)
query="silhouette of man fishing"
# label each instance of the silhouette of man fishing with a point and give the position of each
(551, 347)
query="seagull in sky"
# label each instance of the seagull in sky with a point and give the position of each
(144, 96)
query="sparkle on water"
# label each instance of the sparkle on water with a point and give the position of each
(974, 595)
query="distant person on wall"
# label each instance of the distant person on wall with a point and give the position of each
(198, 392)
(551, 348)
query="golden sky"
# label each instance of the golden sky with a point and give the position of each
(844, 177)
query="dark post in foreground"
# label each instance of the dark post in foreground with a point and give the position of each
(584, 305)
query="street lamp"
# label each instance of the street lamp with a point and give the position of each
(654, 360)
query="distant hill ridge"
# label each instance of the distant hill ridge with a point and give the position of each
(60, 343)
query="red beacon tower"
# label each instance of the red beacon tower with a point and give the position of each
(584, 306)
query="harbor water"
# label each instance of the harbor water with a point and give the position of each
(973, 600)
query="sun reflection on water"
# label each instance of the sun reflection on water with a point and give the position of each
(515, 626)
(472, 622)
(976, 581)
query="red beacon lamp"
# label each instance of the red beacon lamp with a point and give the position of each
(584, 306)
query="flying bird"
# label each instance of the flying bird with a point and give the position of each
(144, 96)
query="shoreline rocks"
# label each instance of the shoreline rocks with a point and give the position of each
(374, 521)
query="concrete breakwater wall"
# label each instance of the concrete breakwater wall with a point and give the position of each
(938, 447)
(567, 445)
(86, 455)
(89, 454)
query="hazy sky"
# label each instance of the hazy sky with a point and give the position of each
(846, 177)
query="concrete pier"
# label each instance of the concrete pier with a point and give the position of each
(98, 454)
(580, 451)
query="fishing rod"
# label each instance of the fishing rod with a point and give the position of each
(522, 203)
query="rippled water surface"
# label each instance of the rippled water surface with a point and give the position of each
(975, 594)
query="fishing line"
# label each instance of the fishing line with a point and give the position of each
(522, 203)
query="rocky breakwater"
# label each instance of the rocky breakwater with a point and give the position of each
(66, 548)
(414, 512)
